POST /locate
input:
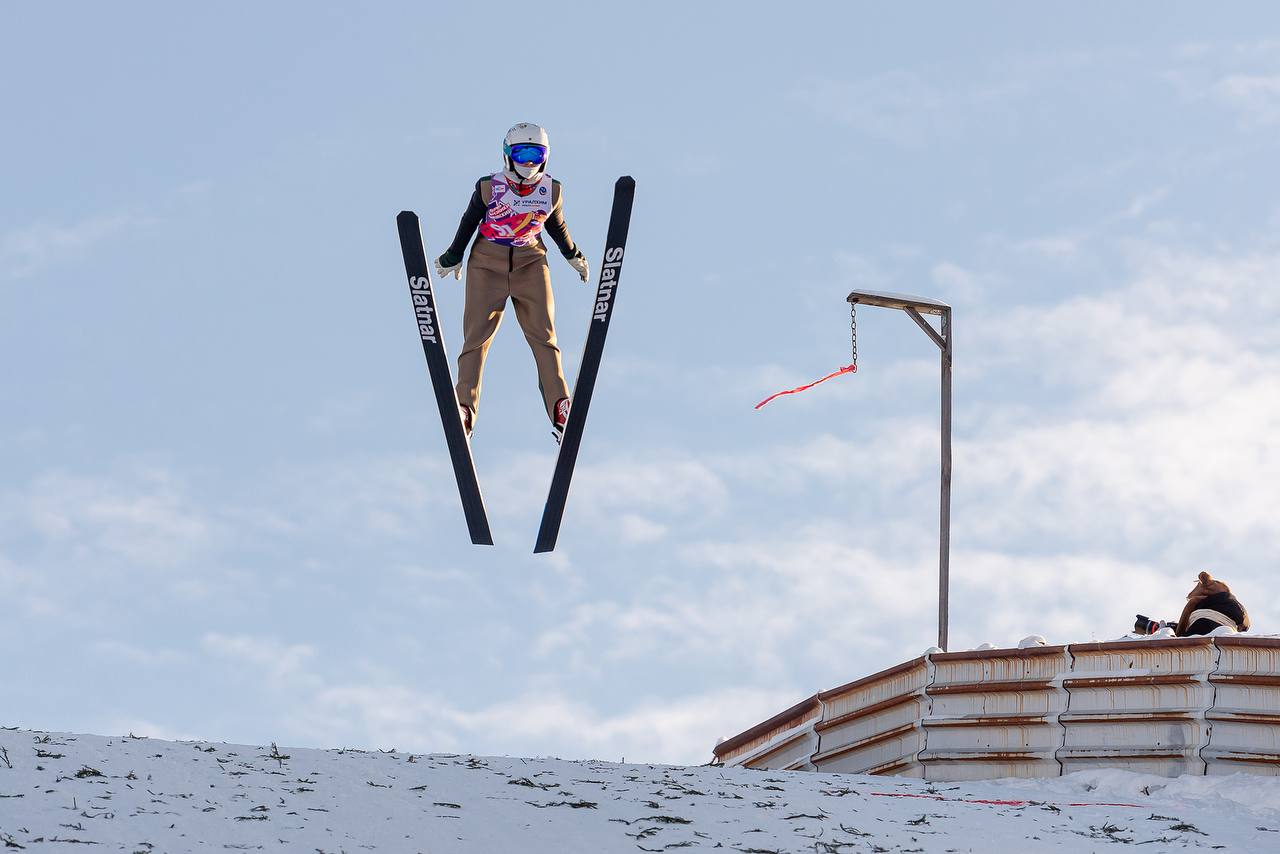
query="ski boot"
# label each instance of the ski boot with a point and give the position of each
(467, 418)
(561, 418)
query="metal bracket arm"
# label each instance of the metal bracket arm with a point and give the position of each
(928, 330)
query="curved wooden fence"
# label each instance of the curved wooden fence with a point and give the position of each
(1205, 705)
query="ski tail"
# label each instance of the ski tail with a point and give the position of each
(601, 313)
(424, 309)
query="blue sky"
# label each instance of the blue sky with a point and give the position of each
(225, 509)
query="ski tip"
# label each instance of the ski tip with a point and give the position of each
(548, 533)
(626, 181)
(549, 529)
(479, 530)
(406, 215)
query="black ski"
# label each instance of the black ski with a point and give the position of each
(624, 192)
(424, 309)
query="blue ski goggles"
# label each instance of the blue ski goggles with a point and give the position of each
(526, 153)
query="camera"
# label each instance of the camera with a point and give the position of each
(1144, 625)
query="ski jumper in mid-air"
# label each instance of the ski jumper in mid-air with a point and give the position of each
(509, 210)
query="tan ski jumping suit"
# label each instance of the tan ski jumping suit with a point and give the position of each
(496, 273)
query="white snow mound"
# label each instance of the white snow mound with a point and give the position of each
(90, 793)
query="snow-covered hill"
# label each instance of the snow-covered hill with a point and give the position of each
(78, 792)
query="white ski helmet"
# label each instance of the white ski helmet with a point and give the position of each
(525, 150)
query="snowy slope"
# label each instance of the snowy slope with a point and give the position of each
(77, 792)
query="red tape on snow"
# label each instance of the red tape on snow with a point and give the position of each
(847, 369)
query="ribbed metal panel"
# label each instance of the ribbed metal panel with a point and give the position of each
(1245, 718)
(1167, 707)
(784, 742)
(994, 714)
(791, 753)
(1138, 706)
(874, 724)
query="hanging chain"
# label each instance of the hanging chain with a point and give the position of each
(853, 332)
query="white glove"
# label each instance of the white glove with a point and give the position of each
(442, 272)
(580, 264)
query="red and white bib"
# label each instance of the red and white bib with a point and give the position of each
(513, 220)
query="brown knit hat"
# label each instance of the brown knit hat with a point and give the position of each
(1207, 586)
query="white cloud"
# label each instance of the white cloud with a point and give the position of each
(860, 272)
(1170, 396)
(1157, 478)
(1144, 202)
(382, 496)
(1068, 598)
(898, 450)
(277, 660)
(144, 519)
(26, 592)
(1243, 77)
(1255, 96)
(118, 652)
(637, 529)
(25, 250)
(670, 481)
(1058, 247)
(908, 108)
(957, 283)
(896, 106)
(654, 726)
(664, 729)
(680, 729)
(759, 599)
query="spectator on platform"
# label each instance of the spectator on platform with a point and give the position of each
(1211, 604)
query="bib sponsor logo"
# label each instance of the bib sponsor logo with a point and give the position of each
(423, 309)
(524, 202)
(608, 282)
(515, 220)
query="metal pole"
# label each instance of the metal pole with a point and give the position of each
(944, 512)
(913, 306)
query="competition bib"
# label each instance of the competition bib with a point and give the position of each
(513, 220)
